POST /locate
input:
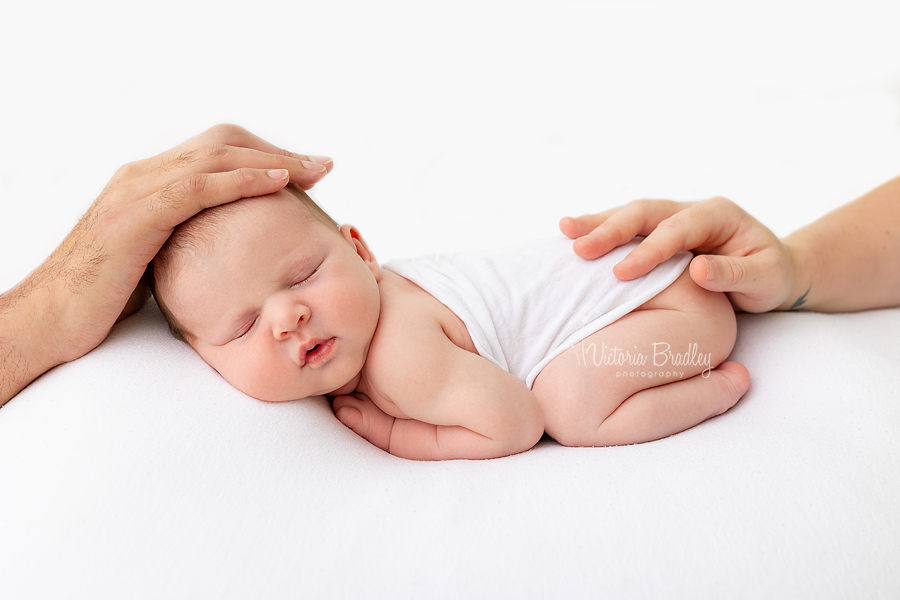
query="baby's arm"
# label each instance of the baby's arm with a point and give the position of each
(460, 405)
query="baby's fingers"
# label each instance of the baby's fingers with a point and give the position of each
(365, 419)
(350, 416)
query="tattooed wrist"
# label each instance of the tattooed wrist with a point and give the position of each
(798, 304)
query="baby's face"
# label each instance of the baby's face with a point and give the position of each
(282, 306)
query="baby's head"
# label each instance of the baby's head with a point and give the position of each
(275, 296)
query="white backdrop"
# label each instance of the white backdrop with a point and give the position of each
(472, 123)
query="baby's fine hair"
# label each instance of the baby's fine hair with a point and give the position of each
(200, 232)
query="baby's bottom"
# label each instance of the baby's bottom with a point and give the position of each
(654, 372)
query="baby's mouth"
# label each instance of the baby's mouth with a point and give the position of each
(318, 351)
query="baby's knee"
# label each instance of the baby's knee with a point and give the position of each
(587, 433)
(574, 419)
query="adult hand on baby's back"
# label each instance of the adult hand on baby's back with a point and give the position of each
(735, 253)
(96, 276)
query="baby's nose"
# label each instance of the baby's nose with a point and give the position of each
(289, 319)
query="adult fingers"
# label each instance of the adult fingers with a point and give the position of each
(224, 148)
(218, 158)
(575, 227)
(707, 224)
(185, 197)
(235, 135)
(600, 233)
(141, 225)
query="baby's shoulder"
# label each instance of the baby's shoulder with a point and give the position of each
(405, 305)
(411, 321)
(410, 340)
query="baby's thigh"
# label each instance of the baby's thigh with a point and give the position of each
(682, 332)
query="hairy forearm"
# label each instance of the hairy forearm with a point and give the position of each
(58, 312)
(849, 259)
(26, 325)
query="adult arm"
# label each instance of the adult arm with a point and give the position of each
(847, 260)
(850, 258)
(68, 305)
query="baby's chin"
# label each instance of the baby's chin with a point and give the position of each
(286, 393)
(273, 395)
(347, 388)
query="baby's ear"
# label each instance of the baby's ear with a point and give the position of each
(355, 239)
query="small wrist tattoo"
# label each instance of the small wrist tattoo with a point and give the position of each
(801, 300)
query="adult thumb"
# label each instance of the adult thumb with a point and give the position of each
(756, 283)
(723, 273)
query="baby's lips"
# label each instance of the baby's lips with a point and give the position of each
(306, 348)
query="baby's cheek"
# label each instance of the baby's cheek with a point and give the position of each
(257, 374)
(238, 367)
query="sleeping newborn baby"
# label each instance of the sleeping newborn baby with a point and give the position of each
(457, 356)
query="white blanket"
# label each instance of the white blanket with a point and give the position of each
(138, 472)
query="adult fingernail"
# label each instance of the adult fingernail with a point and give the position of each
(322, 160)
(711, 270)
(278, 173)
(313, 166)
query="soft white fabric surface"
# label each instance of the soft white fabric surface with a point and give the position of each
(138, 472)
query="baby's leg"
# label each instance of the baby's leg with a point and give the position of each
(650, 374)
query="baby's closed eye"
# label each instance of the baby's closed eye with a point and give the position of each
(246, 328)
(307, 278)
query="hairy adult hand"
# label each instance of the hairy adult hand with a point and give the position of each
(735, 253)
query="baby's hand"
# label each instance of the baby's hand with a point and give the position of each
(362, 416)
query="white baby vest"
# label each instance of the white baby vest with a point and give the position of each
(525, 305)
